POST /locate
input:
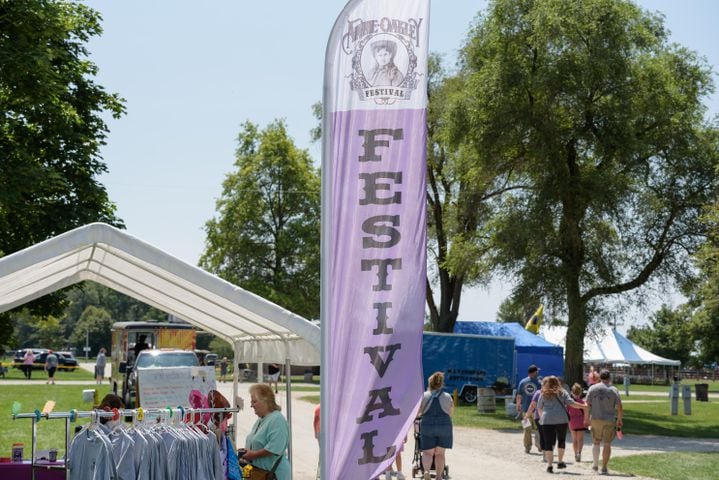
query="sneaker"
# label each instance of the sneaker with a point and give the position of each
(427, 476)
(400, 476)
(595, 468)
(550, 469)
(527, 450)
(561, 465)
(605, 471)
(578, 457)
(388, 476)
(544, 460)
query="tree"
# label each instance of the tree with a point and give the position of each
(51, 127)
(266, 234)
(668, 334)
(460, 204)
(704, 296)
(93, 327)
(591, 108)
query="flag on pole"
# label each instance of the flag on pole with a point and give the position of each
(373, 233)
(535, 320)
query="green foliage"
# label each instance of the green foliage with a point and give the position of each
(95, 326)
(51, 128)
(221, 348)
(266, 234)
(599, 122)
(668, 334)
(458, 206)
(670, 466)
(87, 305)
(705, 296)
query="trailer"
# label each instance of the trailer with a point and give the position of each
(470, 362)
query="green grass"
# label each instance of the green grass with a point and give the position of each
(51, 433)
(669, 466)
(654, 418)
(40, 375)
(467, 416)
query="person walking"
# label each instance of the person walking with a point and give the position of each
(577, 422)
(27, 360)
(533, 413)
(273, 375)
(51, 363)
(525, 390)
(606, 412)
(592, 376)
(552, 406)
(100, 363)
(435, 425)
(223, 369)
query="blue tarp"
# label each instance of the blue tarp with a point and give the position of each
(530, 348)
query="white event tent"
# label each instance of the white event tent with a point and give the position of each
(608, 346)
(259, 330)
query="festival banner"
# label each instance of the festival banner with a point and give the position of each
(373, 233)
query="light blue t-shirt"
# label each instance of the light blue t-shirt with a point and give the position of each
(272, 433)
(526, 389)
(90, 457)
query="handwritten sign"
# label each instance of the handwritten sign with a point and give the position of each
(171, 386)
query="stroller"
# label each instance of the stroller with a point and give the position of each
(417, 469)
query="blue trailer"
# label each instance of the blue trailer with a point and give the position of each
(469, 362)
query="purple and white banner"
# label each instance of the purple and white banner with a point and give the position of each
(374, 233)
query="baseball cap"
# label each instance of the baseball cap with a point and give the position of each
(532, 368)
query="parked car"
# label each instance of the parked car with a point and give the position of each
(66, 361)
(211, 359)
(153, 359)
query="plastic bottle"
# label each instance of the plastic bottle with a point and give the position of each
(619, 433)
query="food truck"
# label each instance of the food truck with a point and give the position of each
(157, 335)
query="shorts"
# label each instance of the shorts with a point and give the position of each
(583, 429)
(603, 431)
(431, 436)
(428, 442)
(99, 371)
(274, 377)
(51, 371)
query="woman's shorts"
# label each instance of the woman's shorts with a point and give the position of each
(428, 442)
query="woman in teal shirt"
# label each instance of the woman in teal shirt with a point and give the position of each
(269, 437)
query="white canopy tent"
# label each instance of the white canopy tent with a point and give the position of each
(608, 346)
(259, 330)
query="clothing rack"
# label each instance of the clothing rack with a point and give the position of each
(115, 414)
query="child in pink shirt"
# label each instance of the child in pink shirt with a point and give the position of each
(577, 425)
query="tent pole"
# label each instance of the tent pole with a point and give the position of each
(288, 393)
(235, 378)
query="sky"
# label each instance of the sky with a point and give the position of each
(192, 73)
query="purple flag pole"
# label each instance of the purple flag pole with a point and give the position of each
(373, 234)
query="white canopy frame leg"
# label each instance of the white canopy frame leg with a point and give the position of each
(288, 394)
(235, 380)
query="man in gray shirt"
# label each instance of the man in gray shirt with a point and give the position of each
(605, 406)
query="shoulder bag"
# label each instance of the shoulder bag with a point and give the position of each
(261, 474)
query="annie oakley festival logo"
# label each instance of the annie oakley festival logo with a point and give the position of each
(383, 58)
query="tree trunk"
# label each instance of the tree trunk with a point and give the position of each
(574, 344)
